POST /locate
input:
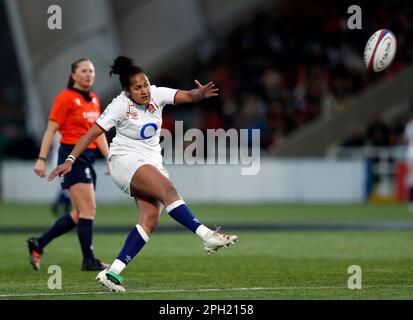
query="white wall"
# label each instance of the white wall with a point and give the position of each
(278, 180)
(311, 180)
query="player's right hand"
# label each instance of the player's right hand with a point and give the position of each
(40, 168)
(63, 169)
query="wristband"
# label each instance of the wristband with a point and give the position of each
(70, 158)
(42, 158)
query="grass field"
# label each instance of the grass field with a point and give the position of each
(267, 264)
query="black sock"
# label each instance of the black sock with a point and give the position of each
(61, 226)
(84, 232)
(410, 194)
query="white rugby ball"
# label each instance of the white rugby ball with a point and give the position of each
(380, 50)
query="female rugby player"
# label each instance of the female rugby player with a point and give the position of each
(136, 161)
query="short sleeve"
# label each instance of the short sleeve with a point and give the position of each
(165, 95)
(112, 114)
(59, 109)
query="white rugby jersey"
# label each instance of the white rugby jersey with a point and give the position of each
(408, 135)
(138, 127)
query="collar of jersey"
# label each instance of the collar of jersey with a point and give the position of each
(85, 94)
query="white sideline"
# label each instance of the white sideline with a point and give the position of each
(15, 295)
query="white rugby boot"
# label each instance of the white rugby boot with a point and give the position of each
(110, 280)
(218, 240)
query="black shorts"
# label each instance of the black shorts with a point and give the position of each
(82, 169)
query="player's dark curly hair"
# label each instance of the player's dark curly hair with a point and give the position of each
(124, 67)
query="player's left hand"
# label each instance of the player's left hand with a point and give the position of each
(207, 90)
(63, 169)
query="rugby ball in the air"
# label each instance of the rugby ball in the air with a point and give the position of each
(380, 50)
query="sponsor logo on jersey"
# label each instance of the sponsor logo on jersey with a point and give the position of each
(91, 116)
(151, 132)
(130, 113)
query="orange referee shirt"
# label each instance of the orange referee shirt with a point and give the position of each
(75, 115)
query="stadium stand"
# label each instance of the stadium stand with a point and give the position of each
(276, 75)
(286, 67)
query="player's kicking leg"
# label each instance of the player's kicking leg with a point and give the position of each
(149, 182)
(212, 240)
(219, 240)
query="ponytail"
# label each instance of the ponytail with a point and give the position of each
(70, 82)
(124, 67)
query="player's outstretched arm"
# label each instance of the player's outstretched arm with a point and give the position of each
(201, 92)
(80, 146)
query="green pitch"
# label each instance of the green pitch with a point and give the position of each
(263, 265)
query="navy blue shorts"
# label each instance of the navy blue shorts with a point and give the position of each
(82, 169)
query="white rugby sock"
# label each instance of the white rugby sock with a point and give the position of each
(203, 232)
(117, 266)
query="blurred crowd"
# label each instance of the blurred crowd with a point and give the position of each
(289, 65)
(12, 116)
(378, 133)
(281, 69)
